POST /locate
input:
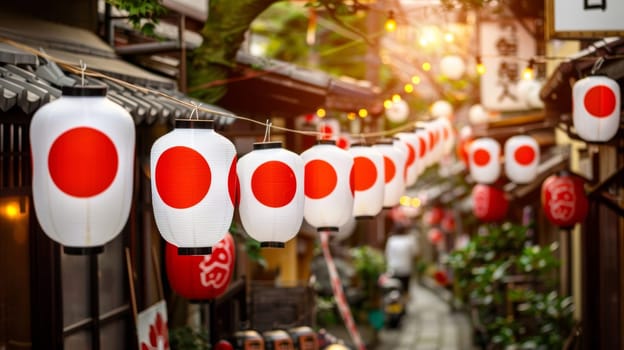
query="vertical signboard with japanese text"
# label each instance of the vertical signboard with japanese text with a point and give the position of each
(505, 48)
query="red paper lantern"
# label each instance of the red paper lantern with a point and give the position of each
(201, 277)
(433, 216)
(563, 199)
(328, 186)
(82, 147)
(489, 203)
(596, 109)
(193, 177)
(271, 193)
(435, 235)
(441, 278)
(448, 221)
(368, 180)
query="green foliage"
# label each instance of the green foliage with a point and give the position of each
(185, 338)
(142, 14)
(509, 281)
(369, 263)
(252, 247)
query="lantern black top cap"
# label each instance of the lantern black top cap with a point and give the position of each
(360, 144)
(326, 142)
(384, 142)
(84, 90)
(267, 145)
(193, 124)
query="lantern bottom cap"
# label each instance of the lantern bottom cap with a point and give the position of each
(328, 228)
(83, 250)
(364, 217)
(199, 301)
(389, 207)
(272, 244)
(194, 251)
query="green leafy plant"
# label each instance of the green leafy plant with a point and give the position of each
(508, 283)
(186, 338)
(142, 14)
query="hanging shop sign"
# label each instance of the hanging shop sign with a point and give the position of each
(193, 180)
(271, 193)
(596, 108)
(584, 19)
(201, 277)
(368, 181)
(328, 186)
(152, 328)
(83, 161)
(502, 44)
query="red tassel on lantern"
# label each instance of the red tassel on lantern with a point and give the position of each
(201, 277)
(563, 199)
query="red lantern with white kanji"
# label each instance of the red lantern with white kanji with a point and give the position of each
(271, 193)
(489, 203)
(193, 179)
(433, 216)
(82, 148)
(484, 160)
(596, 108)
(411, 164)
(522, 156)
(328, 180)
(201, 277)
(563, 199)
(368, 181)
(394, 165)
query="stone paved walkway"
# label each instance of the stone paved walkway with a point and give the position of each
(429, 324)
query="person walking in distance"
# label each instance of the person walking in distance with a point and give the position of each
(400, 251)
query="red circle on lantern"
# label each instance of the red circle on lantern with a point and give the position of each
(233, 185)
(183, 177)
(411, 155)
(389, 169)
(431, 140)
(326, 132)
(423, 147)
(342, 142)
(481, 157)
(524, 155)
(274, 184)
(83, 162)
(365, 173)
(201, 277)
(320, 179)
(599, 101)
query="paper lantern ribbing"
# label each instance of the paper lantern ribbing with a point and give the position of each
(368, 181)
(394, 165)
(522, 156)
(596, 110)
(484, 160)
(411, 164)
(271, 193)
(328, 180)
(82, 148)
(563, 199)
(193, 180)
(201, 277)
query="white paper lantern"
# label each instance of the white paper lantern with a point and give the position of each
(484, 157)
(441, 109)
(328, 186)
(193, 180)
(271, 193)
(522, 156)
(477, 115)
(452, 66)
(423, 149)
(411, 164)
(398, 111)
(368, 181)
(448, 136)
(596, 110)
(329, 128)
(394, 165)
(82, 148)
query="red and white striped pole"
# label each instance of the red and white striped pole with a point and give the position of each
(341, 301)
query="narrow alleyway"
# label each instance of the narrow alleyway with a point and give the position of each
(429, 324)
